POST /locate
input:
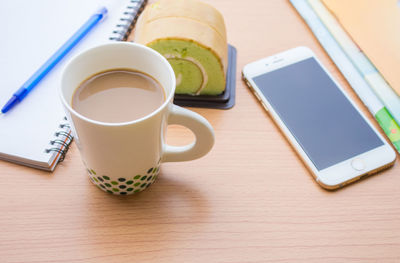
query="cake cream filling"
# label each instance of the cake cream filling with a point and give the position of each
(195, 62)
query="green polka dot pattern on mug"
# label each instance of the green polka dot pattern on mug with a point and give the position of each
(124, 185)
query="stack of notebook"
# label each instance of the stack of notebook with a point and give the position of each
(362, 38)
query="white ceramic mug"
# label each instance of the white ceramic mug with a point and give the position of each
(125, 158)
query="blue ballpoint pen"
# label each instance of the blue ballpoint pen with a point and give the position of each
(20, 94)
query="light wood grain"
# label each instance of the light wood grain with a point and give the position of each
(249, 200)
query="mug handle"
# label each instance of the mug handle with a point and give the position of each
(200, 127)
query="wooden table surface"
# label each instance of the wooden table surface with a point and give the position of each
(249, 200)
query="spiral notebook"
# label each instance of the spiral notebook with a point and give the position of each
(35, 132)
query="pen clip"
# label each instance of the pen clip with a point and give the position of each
(102, 11)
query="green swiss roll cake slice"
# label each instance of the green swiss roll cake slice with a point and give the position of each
(196, 50)
(197, 69)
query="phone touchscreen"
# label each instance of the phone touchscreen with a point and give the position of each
(323, 121)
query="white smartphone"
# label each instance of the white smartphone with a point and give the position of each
(335, 140)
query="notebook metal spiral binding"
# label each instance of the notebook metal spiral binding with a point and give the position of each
(127, 22)
(65, 134)
(60, 142)
(63, 141)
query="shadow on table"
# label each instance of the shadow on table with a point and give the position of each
(168, 209)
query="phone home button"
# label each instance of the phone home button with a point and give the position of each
(358, 164)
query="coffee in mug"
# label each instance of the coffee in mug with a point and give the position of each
(118, 95)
